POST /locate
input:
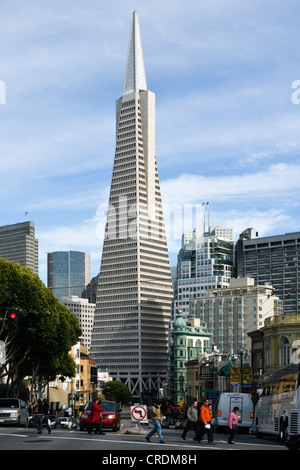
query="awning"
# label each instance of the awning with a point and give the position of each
(225, 370)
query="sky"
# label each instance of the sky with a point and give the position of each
(226, 76)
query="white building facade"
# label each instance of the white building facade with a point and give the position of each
(231, 313)
(84, 310)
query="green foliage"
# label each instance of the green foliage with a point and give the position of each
(116, 391)
(47, 329)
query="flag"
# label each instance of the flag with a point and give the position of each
(202, 204)
(26, 213)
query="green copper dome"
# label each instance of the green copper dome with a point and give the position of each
(179, 322)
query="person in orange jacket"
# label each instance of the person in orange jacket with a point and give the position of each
(206, 423)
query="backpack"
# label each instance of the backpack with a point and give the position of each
(151, 413)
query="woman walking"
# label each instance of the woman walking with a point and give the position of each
(233, 424)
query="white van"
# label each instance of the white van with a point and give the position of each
(225, 404)
(13, 411)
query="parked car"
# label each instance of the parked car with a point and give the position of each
(74, 424)
(165, 423)
(172, 421)
(13, 411)
(64, 423)
(111, 418)
(30, 421)
(180, 423)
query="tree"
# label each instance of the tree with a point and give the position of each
(47, 329)
(116, 391)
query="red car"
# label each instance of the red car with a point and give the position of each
(111, 418)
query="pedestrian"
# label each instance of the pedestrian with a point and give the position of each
(38, 416)
(156, 416)
(201, 427)
(45, 408)
(206, 423)
(192, 420)
(96, 421)
(233, 424)
(209, 426)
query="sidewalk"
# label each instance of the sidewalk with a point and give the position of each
(129, 426)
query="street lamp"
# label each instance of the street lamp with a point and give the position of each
(241, 353)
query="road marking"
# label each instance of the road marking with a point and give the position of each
(181, 445)
(13, 435)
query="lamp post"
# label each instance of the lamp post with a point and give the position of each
(241, 353)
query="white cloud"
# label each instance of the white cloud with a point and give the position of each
(227, 130)
(276, 180)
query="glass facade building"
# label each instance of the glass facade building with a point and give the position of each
(273, 260)
(68, 272)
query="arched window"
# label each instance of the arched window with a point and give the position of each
(285, 348)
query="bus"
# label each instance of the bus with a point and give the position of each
(277, 411)
(225, 404)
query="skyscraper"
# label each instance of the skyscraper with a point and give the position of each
(273, 260)
(204, 262)
(133, 305)
(18, 244)
(68, 272)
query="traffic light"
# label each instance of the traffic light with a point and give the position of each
(13, 321)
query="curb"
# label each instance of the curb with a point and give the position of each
(134, 429)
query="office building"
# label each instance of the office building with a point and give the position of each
(90, 292)
(133, 305)
(18, 244)
(68, 272)
(204, 262)
(232, 312)
(273, 260)
(84, 310)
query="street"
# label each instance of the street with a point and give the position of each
(12, 438)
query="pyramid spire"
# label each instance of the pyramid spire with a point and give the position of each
(135, 292)
(135, 76)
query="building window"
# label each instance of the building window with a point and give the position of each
(285, 351)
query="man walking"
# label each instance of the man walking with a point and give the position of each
(45, 408)
(193, 423)
(38, 416)
(156, 415)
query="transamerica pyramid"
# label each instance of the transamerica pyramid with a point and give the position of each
(133, 306)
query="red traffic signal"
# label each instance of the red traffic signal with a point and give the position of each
(13, 321)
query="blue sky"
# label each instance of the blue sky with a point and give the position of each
(227, 115)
